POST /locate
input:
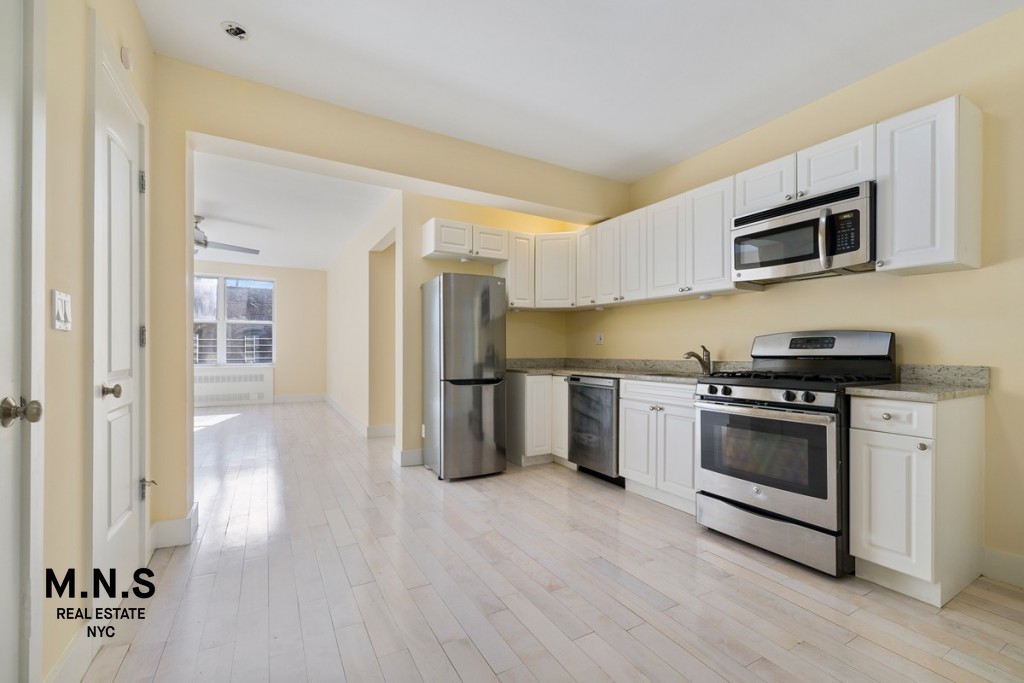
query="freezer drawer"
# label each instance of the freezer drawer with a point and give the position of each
(472, 429)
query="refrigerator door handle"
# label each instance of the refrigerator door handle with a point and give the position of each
(473, 382)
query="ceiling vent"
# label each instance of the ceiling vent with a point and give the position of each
(234, 30)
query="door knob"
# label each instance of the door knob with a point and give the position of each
(11, 411)
(114, 390)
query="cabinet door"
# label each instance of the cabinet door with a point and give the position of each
(556, 270)
(441, 236)
(490, 243)
(586, 266)
(708, 220)
(765, 186)
(538, 414)
(837, 163)
(675, 449)
(633, 256)
(666, 249)
(637, 441)
(606, 261)
(891, 502)
(928, 189)
(560, 416)
(518, 271)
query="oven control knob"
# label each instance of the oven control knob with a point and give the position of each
(788, 396)
(808, 397)
(712, 389)
(726, 391)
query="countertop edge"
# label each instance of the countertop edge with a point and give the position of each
(927, 393)
(590, 372)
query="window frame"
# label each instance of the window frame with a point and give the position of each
(222, 322)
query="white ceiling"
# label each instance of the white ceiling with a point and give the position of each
(614, 88)
(295, 218)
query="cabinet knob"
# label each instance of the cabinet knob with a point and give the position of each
(879, 263)
(622, 298)
(565, 379)
(680, 289)
(470, 251)
(573, 303)
(687, 289)
(886, 416)
(477, 252)
(592, 301)
(660, 408)
(788, 197)
(922, 446)
(652, 407)
(801, 193)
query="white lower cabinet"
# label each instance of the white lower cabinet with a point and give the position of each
(656, 441)
(560, 416)
(537, 424)
(917, 494)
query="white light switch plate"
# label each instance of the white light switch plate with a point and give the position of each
(61, 311)
(599, 338)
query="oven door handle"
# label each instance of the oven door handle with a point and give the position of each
(768, 413)
(826, 259)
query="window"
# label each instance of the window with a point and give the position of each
(233, 321)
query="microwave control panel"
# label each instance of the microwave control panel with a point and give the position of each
(845, 232)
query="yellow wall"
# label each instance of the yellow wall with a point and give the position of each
(68, 478)
(193, 99)
(300, 331)
(382, 337)
(415, 270)
(349, 315)
(973, 317)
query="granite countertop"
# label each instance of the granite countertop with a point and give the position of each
(931, 383)
(648, 376)
(926, 383)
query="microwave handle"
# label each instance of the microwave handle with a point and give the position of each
(826, 258)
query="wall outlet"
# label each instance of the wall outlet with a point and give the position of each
(599, 338)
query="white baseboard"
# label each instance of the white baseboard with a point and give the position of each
(1003, 566)
(298, 398)
(380, 431)
(564, 462)
(76, 659)
(407, 458)
(172, 532)
(356, 423)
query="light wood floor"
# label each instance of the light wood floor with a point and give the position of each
(318, 559)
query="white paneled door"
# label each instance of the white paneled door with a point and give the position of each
(118, 513)
(10, 335)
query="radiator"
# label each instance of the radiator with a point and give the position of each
(232, 386)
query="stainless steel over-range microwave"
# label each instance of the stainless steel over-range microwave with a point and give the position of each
(830, 234)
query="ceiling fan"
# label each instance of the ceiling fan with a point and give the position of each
(199, 238)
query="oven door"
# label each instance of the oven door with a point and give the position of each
(781, 461)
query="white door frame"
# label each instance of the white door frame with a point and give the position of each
(106, 59)
(33, 331)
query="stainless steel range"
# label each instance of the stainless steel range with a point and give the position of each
(772, 442)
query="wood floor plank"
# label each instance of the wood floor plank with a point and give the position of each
(317, 558)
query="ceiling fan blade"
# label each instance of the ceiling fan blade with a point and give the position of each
(231, 247)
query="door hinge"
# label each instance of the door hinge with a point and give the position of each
(143, 485)
(142, 336)
(142, 182)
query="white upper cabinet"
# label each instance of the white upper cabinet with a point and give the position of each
(586, 266)
(447, 239)
(666, 249)
(837, 163)
(632, 256)
(831, 165)
(766, 185)
(708, 220)
(929, 189)
(518, 270)
(606, 260)
(556, 270)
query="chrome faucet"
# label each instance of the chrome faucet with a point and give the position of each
(703, 358)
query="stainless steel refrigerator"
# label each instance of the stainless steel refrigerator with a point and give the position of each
(464, 375)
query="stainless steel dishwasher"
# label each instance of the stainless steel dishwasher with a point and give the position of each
(594, 424)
